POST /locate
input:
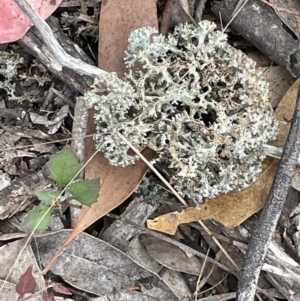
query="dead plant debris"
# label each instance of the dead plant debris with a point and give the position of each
(113, 252)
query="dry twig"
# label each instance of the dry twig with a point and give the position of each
(63, 59)
(266, 224)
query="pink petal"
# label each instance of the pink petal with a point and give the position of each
(14, 23)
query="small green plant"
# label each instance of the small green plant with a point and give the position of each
(64, 169)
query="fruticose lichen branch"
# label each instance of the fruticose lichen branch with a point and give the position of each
(194, 99)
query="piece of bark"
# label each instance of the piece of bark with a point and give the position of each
(259, 24)
(32, 43)
(119, 234)
(79, 130)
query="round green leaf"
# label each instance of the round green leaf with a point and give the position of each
(86, 192)
(63, 166)
(47, 196)
(35, 216)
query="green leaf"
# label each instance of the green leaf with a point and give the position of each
(63, 166)
(34, 217)
(47, 196)
(86, 192)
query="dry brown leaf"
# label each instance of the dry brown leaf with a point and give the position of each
(174, 13)
(174, 258)
(185, 6)
(284, 113)
(279, 80)
(117, 20)
(296, 179)
(229, 209)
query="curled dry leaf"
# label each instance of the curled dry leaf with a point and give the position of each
(14, 23)
(229, 209)
(284, 114)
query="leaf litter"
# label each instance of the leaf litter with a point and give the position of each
(102, 272)
(17, 280)
(111, 197)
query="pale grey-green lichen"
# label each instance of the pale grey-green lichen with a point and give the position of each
(82, 22)
(197, 101)
(22, 81)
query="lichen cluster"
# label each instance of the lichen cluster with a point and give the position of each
(194, 99)
(21, 80)
(83, 22)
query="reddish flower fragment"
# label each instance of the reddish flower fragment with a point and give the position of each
(14, 23)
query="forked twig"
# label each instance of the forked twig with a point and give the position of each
(63, 59)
